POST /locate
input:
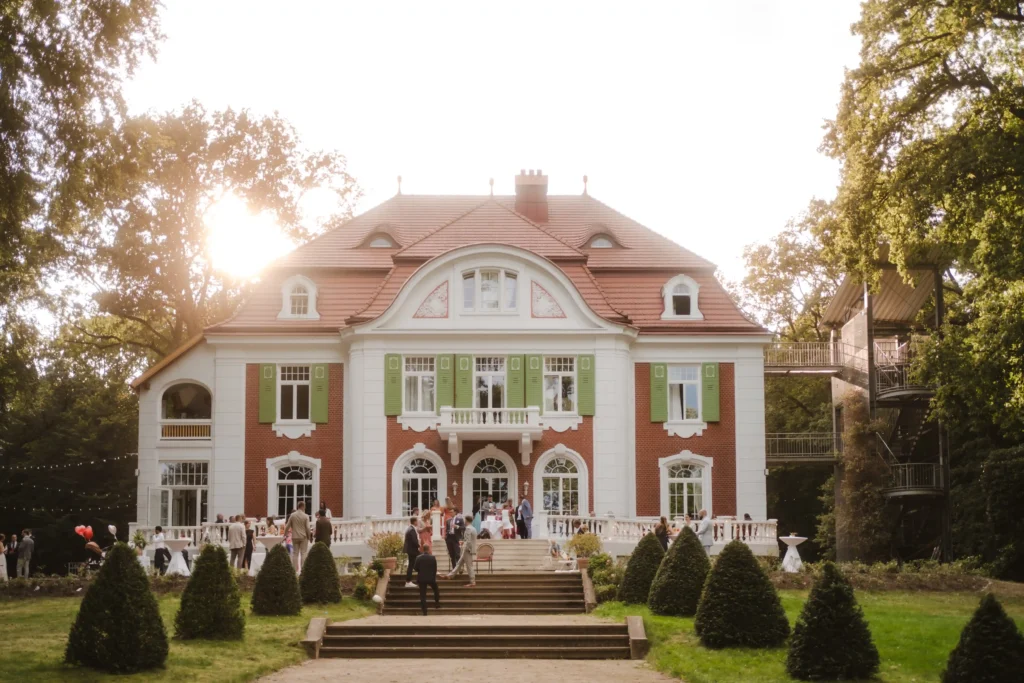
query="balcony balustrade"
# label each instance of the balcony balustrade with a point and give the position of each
(915, 478)
(797, 447)
(186, 430)
(519, 424)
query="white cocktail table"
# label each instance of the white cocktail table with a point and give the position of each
(177, 565)
(269, 541)
(791, 562)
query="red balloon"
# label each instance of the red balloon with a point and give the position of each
(88, 533)
(80, 530)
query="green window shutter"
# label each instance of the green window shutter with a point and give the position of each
(709, 391)
(445, 380)
(535, 381)
(585, 385)
(463, 381)
(319, 377)
(659, 392)
(392, 384)
(514, 392)
(268, 393)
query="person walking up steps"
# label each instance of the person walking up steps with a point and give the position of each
(467, 560)
(426, 575)
(298, 525)
(411, 548)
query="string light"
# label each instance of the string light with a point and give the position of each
(77, 491)
(71, 509)
(67, 465)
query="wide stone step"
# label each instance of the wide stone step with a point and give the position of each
(502, 640)
(482, 652)
(485, 607)
(480, 593)
(493, 611)
(476, 628)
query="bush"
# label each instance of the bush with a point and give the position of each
(600, 562)
(605, 593)
(584, 545)
(364, 582)
(388, 545)
(118, 627)
(210, 606)
(277, 588)
(739, 606)
(680, 579)
(991, 649)
(319, 580)
(643, 565)
(831, 640)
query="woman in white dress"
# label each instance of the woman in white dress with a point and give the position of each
(3, 559)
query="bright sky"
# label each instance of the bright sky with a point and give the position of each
(699, 120)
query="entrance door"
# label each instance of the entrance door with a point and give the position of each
(490, 478)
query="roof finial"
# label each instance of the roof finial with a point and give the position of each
(584, 184)
(491, 182)
(399, 184)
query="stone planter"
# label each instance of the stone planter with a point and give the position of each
(582, 563)
(389, 562)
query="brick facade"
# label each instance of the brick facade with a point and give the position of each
(718, 441)
(325, 443)
(580, 440)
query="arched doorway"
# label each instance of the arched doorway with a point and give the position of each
(561, 483)
(418, 477)
(488, 472)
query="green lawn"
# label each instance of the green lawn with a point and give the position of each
(34, 632)
(913, 632)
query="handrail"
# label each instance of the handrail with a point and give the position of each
(171, 429)
(803, 446)
(915, 476)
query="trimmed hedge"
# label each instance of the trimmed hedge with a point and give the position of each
(643, 565)
(319, 579)
(211, 606)
(831, 640)
(677, 586)
(991, 649)
(277, 588)
(118, 627)
(739, 607)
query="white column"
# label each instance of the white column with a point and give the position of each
(751, 497)
(368, 453)
(613, 455)
(149, 435)
(435, 523)
(227, 476)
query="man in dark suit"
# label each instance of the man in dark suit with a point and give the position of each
(323, 531)
(411, 548)
(426, 575)
(453, 536)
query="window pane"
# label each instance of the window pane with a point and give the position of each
(428, 394)
(568, 393)
(412, 394)
(691, 401)
(489, 290)
(468, 290)
(681, 304)
(497, 391)
(287, 402)
(675, 397)
(482, 393)
(302, 407)
(551, 393)
(510, 291)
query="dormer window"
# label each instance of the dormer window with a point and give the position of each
(601, 242)
(490, 290)
(381, 242)
(298, 299)
(680, 295)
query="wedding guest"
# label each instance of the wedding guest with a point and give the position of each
(271, 527)
(411, 548)
(454, 529)
(161, 555)
(508, 528)
(298, 527)
(661, 531)
(704, 531)
(11, 556)
(236, 541)
(426, 575)
(219, 520)
(250, 544)
(426, 530)
(3, 560)
(524, 518)
(323, 528)
(25, 549)
(476, 505)
(467, 560)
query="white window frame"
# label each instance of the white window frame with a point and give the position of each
(286, 298)
(682, 427)
(375, 241)
(419, 374)
(668, 313)
(295, 394)
(561, 373)
(593, 244)
(503, 305)
(418, 450)
(490, 384)
(489, 451)
(293, 483)
(292, 458)
(167, 490)
(561, 451)
(687, 458)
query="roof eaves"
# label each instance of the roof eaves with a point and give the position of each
(155, 369)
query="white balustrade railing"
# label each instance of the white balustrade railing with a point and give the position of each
(490, 417)
(186, 430)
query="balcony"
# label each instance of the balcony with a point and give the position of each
(808, 358)
(504, 424)
(186, 430)
(915, 479)
(810, 447)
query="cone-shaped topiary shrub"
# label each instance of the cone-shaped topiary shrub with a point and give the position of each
(210, 605)
(277, 588)
(680, 579)
(739, 606)
(319, 580)
(118, 627)
(991, 649)
(640, 570)
(831, 640)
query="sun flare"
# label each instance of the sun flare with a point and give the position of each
(241, 242)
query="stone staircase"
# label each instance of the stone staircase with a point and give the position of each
(475, 640)
(495, 594)
(510, 555)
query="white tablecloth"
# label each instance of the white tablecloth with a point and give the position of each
(177, 565)
(493, 526)
(256, 563)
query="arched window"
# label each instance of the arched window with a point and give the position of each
(299, 301)
(490, 290)
(294, 484)
(685, 489)
(601, 242)
(490, 478)
(680, 295)
(381, 242)
(186, 401)
(419, 485)
(561, 487)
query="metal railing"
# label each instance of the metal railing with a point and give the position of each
(811, 446)
(182, 430)
(915, 476)
(805, 354)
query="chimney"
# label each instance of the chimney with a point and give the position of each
(532, 195)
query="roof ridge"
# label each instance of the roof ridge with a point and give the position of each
(540, 227)
(441, 227)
